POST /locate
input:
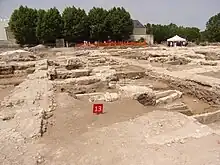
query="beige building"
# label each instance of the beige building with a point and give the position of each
(6, 36)
(9, 34)
(3, 25)
(139, 32)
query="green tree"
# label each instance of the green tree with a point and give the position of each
(75, 24)
(172, 30)
(160, 33)
(192, 34)
(40, 29)
(120, 23)
(149, 29)
(213, 28)
(163, 32)
(203, 36)
(51, 27)
(23, 25)
(99, 29)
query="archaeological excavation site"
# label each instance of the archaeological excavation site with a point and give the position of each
(161, 106)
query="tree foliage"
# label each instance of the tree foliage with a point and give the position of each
(120, 24)
(98, 25)
(23, 25)
(40, 29)
(213, 28)
(163, 32)
(203, 36)
(52, 26)
(149, 29)
(31, 26)
(75, 24)
(192, 34)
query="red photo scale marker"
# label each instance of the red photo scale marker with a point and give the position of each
(98, 109)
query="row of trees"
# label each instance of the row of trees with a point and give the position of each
(163, 32)
(193, 34)
(212, 32)
(32, 26)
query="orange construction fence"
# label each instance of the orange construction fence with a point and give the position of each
(109, 44)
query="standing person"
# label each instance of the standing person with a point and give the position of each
(184, 43)
(171, 44)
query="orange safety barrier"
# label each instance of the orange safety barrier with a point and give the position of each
(108, 44)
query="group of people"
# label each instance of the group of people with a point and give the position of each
(174, 44)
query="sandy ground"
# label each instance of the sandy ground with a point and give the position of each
(76, 133)
(12, 81)
(76, 115)
(4, 91)
(197, 106)
(128, 133)
(212, 74)
(77, 118)
(8, 84)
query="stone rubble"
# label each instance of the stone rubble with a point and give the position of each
(37, 48)
(103, 72)
(74, 63)
(27, 104)
(25, 112)
(107, 97)
(169, 98)
(18, 55)
(142, 94)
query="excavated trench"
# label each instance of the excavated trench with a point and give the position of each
(8, 83)
(13, 71)
(61, 108)
(212, 74)
(100, 78)
(75, 97)
(197, 89)
(200, 92)
(85, 85)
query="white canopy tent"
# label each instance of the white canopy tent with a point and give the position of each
(176, 38)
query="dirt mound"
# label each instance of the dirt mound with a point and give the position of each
(17, 55)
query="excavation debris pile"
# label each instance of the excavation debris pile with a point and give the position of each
(18, 55)
(23, 116)
(20, 62)
(28, 104)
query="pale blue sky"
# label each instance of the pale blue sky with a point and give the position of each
(185, 12)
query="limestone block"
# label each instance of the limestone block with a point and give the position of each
(52, 73)
(142, 94)
(107, 97)
(6, 69)
(42, 65)
(74, 63)
(64, 74)
(170, 98)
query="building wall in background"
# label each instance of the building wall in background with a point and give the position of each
(6, 36)
(147, 37)
(3, 25)
(9, 34)
(139, 31)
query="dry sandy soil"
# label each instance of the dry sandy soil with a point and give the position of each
(161, 106)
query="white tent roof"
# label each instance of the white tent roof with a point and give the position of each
(176, 38)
